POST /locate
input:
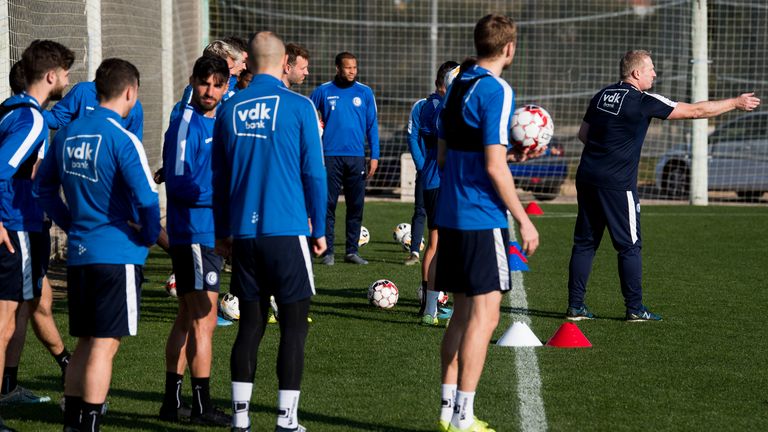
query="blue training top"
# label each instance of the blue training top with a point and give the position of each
(103, 171)
(82, 99)
(415, 143)
(268, 171)
(484, 104)
(23, 140)
(350, 117)
(618, 118)
(189, 179)
(430, 112)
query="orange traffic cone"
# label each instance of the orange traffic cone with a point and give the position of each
(534, 209)
(569, 336)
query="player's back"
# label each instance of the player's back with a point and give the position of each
(266, 149)
(105, 178)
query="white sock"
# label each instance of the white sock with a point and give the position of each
(464, 413)
(287, 408)
(431, 308)
(448, 396)
(241, 399)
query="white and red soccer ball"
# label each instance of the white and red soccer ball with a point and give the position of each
(532, 127)
(170, 285)
(383, 293)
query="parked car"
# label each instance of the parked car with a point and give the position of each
(737, 160)
(542, 176)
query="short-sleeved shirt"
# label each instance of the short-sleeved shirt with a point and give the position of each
(618, 118)
(468, 200)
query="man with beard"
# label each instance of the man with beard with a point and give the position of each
(24, 249)
(187, 154)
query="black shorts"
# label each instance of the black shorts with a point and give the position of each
(196, 268)
(430, 205)
(277, 266)
(104, 299)
(472, 262)
(21, 273)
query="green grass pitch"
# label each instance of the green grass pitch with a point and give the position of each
(702, 368)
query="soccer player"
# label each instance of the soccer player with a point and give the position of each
(476, 190)
(613, 131)
(38, 309)
(429, 177)
(296, 67)
(111, 217)
(416, 147)
(24, 247)
(261, 156)
(236, 62)
(348, 110)
(187, 154)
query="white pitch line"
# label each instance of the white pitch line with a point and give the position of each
(533, 417)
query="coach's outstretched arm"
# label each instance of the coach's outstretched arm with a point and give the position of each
(707, 109)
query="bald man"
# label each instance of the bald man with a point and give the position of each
(252, 139)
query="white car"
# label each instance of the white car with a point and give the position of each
(737, 159)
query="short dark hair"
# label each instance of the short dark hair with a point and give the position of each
(492, 33)
(16, 78)
(340, 57)
(42, 56)
(113, 76)
(208, 65)
(442, 70)
(237, 42)
(295, 50)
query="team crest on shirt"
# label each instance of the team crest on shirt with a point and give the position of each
(211, 278)
(332, 101)
(356, 101)
(79, 156)
(255, 117)
(611, 99)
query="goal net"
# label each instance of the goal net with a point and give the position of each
(567, 50)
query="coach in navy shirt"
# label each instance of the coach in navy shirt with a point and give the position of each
(613, 131)
(348, 110)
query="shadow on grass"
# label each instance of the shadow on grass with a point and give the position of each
(551, 314)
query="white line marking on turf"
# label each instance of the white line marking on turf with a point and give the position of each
(533, 417)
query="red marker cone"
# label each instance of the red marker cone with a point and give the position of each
(569, 336)
(534, 209)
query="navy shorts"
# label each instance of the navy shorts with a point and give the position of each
(472, 262)
(196, 268)
(104, 299)
(21, 273)
(277, 266)
(430, 205)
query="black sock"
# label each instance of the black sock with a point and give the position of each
(73, 406)
(201, 395)
(173, 383)
(10, 379)
(63, 359)
(91, 417)
(423, 298)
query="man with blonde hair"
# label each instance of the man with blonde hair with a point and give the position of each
(613, 132)
(476, 190)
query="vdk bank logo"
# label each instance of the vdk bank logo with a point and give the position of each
(256, 117)
(611, 99)
(80, 155)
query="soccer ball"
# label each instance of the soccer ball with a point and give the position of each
(230, 307)
(365, 237)
(383, 294)
(400, 231)
(170, 285)
(442, 298)
(406, 242)
(532, 127)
